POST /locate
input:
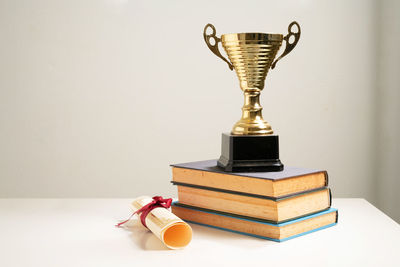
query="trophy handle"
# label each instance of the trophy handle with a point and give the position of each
(289, 46)
(214, 47)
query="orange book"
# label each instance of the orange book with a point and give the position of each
(259, 207)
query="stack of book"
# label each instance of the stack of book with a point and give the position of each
(272, 205)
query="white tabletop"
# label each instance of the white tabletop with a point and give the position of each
(81, 232)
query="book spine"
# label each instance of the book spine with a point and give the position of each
(326, 178)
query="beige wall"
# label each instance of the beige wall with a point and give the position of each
(97, 98)
(388, 110)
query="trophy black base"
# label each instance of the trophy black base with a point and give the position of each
(250, 153)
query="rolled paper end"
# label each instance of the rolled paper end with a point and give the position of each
(170, 229)
(177, 236)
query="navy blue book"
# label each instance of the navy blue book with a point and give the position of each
(207, 175)
(255, 227)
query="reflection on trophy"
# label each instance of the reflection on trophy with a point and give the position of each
(251, 146)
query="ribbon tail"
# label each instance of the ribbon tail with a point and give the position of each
(130, 217)
(136, 212)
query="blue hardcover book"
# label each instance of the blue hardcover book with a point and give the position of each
(255, 227)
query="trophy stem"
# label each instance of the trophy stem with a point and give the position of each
(252, 122)
(252, 107)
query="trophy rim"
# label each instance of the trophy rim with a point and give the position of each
(259, 36)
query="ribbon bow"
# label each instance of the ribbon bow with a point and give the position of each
(145, 210)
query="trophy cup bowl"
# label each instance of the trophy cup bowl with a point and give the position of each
(251, 55)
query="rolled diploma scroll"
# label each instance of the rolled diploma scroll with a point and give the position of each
(169, 228)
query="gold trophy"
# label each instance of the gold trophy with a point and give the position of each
(251, 146)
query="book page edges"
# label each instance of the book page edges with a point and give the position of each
(274, 235)
(251, 185)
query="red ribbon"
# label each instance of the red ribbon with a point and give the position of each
(145, 210)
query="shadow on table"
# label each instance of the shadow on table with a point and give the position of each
(228, 237)
(142, 237)
(146, 240)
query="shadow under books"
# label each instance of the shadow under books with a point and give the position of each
(227, 237)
